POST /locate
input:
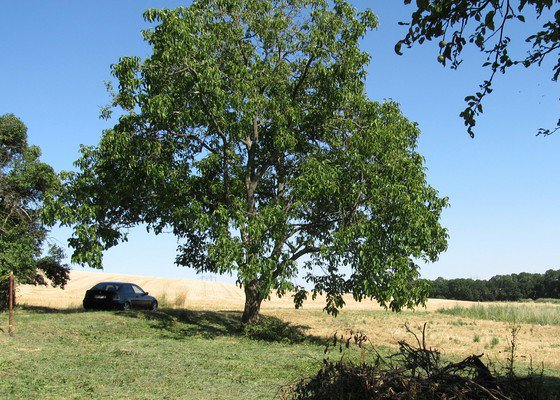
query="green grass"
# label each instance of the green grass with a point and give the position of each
(168, 354)
(518, 313)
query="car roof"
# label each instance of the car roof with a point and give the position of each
(114, 283)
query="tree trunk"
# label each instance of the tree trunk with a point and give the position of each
(253, 302)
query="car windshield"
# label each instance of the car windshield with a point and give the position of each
(110, 287)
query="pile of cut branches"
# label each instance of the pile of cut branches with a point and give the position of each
(413, 372)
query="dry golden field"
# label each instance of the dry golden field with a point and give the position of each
(456, 336)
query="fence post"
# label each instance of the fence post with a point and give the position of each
(11, 304)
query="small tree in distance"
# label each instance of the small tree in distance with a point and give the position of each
(248, 133)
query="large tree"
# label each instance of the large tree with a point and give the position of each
(487, 26)
(248, 133)
(24, 183)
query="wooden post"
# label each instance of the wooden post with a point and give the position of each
(11, 304)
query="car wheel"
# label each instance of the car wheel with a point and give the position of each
(126, 306)
(154, 306)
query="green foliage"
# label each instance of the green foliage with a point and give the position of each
(512, 287)
(24, 184)
(485, 24)
(247, 132)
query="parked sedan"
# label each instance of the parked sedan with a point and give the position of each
(118, 295)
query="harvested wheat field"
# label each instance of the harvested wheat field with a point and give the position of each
(453, 335)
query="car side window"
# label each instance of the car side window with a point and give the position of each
(137, 289)
(127, 289)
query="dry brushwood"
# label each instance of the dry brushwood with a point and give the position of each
(413, 372)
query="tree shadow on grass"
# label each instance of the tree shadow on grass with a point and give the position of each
(181, 323)
(550, 388)
(49, 310)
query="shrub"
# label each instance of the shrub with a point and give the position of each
(414, 372)
(272, 329)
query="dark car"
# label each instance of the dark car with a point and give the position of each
(118, 295)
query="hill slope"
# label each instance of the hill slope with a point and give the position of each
(197, 294)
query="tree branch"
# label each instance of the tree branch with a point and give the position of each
(302, 76)
(304, 251)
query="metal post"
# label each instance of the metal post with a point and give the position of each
(11, 304)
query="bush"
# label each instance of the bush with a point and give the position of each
(414, 372)
(272, 329)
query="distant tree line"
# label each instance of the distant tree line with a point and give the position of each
(500, 287)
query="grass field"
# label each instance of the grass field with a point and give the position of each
(197, 349)
(512, 313)
(136, 355)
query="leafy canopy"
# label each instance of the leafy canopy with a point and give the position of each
(485, 24)
(248, 133)
(24, 183)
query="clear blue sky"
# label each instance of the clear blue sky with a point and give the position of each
(504, 186)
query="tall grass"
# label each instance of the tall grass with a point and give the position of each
(163, 301)
(553, 301)
(540, 300)
(514, 313)
(180, 300)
